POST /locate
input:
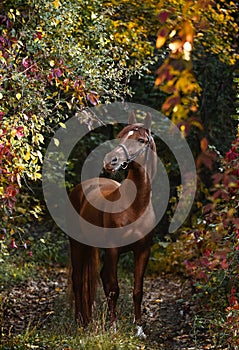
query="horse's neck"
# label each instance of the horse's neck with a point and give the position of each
(143, 187)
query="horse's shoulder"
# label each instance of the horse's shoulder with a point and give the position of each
(92, 184)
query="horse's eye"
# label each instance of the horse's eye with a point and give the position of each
(141, 140)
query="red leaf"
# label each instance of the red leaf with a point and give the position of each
(235, 222)
(92, 97)
(163, 16)
(171, 102)
(13, 244)
(20, 132)
(206, 158)
(207, 208)
(217, 178)
(204, 144)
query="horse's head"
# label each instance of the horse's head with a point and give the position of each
(135, 148)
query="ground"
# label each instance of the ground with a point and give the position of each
(171, 310)
(168, 309)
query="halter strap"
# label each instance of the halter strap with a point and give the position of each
(128, 158)
(131, 158)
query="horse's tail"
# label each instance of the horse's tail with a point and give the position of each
(89, 277)
(85, 263)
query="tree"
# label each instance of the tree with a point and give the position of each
(192, 30)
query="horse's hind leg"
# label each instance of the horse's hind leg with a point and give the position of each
(110, 282)
(76, 252)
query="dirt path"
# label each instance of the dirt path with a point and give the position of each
(31, 304)
(170, 316)
(168, 310)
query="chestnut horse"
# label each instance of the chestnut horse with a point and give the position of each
(140, 158)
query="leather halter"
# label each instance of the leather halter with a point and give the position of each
(132, 157)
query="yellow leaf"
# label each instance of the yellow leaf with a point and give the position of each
(68, 105)
(173, 32)
(197, 124)
(27, 156)
(40, 138)
(160, 41)
(231, 212)
(62, 125)
(56, 4)
(55, 21)
(37, 176)
(18, 176)
(162, 36)
(18, 96)
(56, 142)
(175, 45)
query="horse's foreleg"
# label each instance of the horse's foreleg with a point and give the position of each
(110, 282)
(141, 258)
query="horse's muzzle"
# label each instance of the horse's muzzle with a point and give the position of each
(112, 167)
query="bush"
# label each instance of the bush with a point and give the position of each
(209, 253)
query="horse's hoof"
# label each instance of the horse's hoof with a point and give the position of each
(113, 327)
(140, 332)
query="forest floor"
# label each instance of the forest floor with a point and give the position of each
(169, 311)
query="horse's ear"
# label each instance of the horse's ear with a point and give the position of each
(147, 121)
(132, 118)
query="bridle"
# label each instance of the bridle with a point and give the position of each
(131, 157)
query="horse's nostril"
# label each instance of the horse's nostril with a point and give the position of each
(124, 165)
(114, 160)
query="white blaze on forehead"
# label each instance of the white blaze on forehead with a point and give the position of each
(130, 133)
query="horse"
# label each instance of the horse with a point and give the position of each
(137, 153)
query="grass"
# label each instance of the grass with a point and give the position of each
(56, 329)
(60, 332)
(60, 337)
(12, 274)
